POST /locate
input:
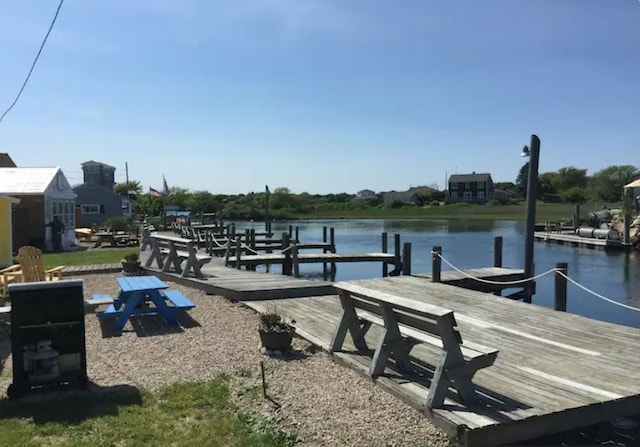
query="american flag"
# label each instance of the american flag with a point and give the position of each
(154, 192)
(165, 187)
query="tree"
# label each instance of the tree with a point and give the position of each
(133, 185)
(547, 182)
(570, 177)
(575, 195)
(522, 179)
(609, 182)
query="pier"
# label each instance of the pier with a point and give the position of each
(578, 241)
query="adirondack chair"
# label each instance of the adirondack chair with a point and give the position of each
(7, 276)
(32, 266)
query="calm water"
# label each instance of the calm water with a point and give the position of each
(470, 244)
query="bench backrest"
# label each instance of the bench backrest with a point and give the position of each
(418, 315)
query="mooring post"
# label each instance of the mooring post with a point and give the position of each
(290, 232)
(406, 258)
(497, 251)
(297, 234)
(397, 263)
(286, 265)
(294, 260)
(560, 287)
(247, 237)
(576, 217)
(385, 249)
(238, 252)
(324, 250)
(332, 241)
(252, 237)
(436, 264)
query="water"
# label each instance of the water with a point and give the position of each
(469, 244)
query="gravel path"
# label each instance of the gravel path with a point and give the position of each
(324, 403)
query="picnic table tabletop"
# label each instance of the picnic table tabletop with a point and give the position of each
(140, 283)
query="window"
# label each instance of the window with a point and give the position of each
(467, 195)
(480, 185)
(454, 185)
(453, 195)
(65, 210)
(467, 185)
(126, 208)
(90, 209)
(480, 194)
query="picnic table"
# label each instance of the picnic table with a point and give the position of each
(142, 295)
(118, 239)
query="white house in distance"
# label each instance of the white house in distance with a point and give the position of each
(43, 193)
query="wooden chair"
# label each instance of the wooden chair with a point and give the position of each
(32, 266)
(7, 276)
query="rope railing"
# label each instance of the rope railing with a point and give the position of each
(533, 278)
(596, 294)
(488, 281)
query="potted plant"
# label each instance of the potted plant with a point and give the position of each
(131, 264)
(276, 333)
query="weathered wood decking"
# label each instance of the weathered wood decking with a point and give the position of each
(278, 258)
(243, 285)
(555, 371)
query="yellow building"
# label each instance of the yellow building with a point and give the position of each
(6, 246)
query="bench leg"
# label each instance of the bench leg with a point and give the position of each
(348, 322)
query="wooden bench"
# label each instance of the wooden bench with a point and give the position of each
(408, 322)
(96, 301)
(171, 251)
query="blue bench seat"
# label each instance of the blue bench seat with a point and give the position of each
(178, 300)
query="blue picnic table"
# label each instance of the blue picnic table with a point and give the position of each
(142, 295)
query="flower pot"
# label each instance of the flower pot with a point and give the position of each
(276, 341)
(131, 268)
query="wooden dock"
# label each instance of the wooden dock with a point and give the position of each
(243, 285)
(578, 241)
(277, 258)
(497, 274)
(555, 371)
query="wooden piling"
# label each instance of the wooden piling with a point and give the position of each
(398, 255)
(297, 235)
(294, 260)
(436, 264)
(385, 249)
(406, 259)
(290, 232)
(238, 252)
(560, 287)
(332, 240)
(286, 264)
(497, 251)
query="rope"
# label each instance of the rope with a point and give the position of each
(596, 294)
(487, 281)
(286, 249)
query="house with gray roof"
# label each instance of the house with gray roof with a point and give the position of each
(472, 188)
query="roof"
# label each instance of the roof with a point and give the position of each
(9, 198)
(633, 184)
(6, 161)
(26, 180)
(473, 177)
(96, 163)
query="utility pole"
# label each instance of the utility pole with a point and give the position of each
(267, 223)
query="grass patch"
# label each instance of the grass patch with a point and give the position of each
(85, 257)
(544, 212)
(187, 414)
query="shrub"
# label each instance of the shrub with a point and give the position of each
(494, 202)
(119, 223)
(435, 203)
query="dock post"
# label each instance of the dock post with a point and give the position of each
(385, 249)
(560, 287)
(576, 217)
(294, 260)
(397, 264)
(436, 264)
(290, 231)
(497, 251)
(332, 241)
(324, 250)
(286, 264)
(208, 245)
(406, 259)
(297, 234)
(238, 252)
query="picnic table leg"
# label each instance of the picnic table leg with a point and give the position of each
(98, 242)
(156, 255)
(168, 313)
(390, 344)
(132, 301)
(348, 322)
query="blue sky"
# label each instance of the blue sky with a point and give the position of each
(320, 95)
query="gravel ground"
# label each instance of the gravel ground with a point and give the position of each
(324, 403)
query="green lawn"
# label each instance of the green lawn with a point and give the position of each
(102, 256)
(544, 212)
(190, 414)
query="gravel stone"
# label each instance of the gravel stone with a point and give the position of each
(324, 403)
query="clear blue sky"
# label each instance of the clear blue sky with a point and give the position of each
(320, 95)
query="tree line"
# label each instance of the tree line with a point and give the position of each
(568, 184)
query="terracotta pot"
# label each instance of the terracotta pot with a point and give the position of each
(276, 341)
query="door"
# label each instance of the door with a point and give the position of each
(20, 226)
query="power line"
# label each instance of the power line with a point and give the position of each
(24, 84)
